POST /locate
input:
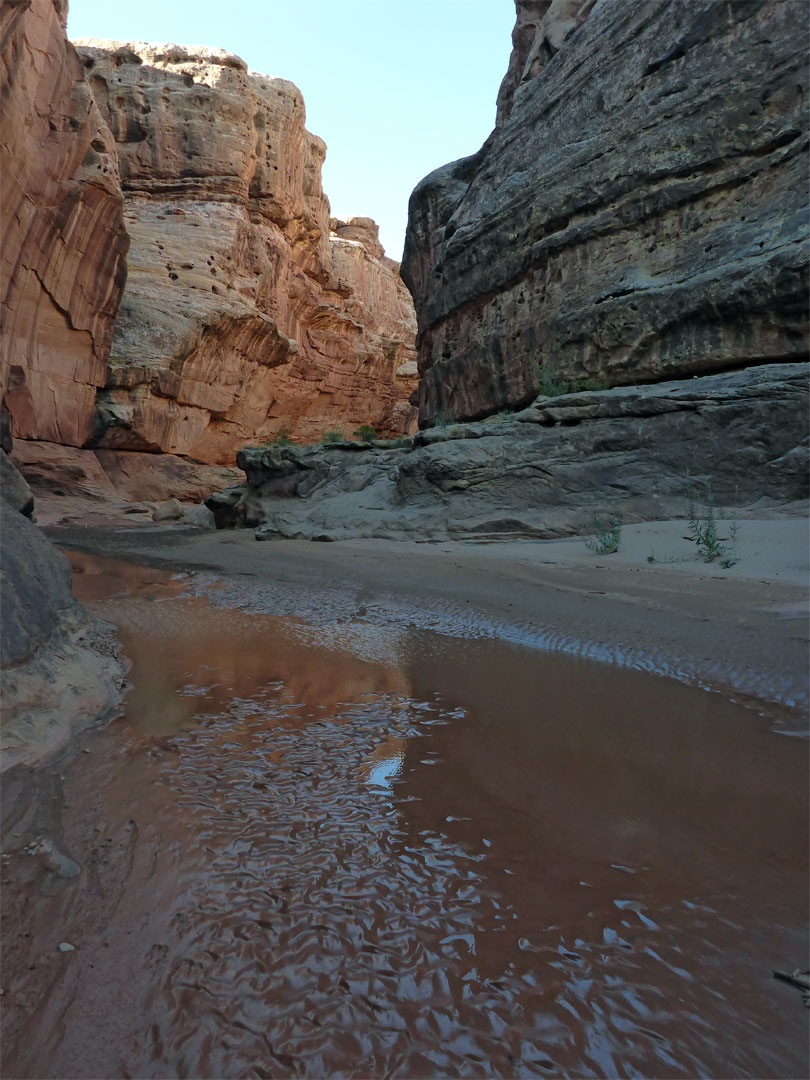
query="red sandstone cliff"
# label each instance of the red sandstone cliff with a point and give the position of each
(63, 241)
(242, 315)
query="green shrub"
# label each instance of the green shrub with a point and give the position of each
(556, 385)
(333, 437)
(704, 525)
(365, 433)
(607, 535)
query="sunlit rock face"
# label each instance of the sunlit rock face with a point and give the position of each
(62, 255)
(243, 314)
(638, 213)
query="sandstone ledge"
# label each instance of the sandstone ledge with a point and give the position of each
(544, 471)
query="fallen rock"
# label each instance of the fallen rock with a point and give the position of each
(545, 471)
(172, 510)
(638, 213)
(199, 516)
(65, 946)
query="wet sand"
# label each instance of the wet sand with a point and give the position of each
(349, 846)
(744, 631)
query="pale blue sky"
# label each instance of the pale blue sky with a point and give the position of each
(395, 87)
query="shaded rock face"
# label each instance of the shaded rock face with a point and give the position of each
(242, 314)
(637, 214)
(36, 588)
(14, 488)
(61, 669)
(544, 471)
(62, 257)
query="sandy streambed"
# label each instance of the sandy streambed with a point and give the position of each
(335, 847)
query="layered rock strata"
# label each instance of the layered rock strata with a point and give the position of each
(637, 214)
(62, 258)
(243, 315)
(545, 471)
(97, 485)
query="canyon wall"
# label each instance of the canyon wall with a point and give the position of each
(244, 314)
(62, 257)
(638, 213)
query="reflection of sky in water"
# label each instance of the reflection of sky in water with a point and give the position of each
(383, 773)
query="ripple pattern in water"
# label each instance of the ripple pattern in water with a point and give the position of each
(444, 861)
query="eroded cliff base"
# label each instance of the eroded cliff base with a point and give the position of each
(545, 471)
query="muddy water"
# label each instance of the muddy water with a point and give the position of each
(347, 850)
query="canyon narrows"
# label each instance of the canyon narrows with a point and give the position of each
(489, 759)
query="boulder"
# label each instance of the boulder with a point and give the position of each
(171, 510)
(200, 517)
(61, 668)
(14, 488)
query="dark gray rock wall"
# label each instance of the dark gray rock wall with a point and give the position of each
(61, 668)
(35, 588)
(639, 212)
(14, 488)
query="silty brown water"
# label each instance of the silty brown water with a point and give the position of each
(352, 850)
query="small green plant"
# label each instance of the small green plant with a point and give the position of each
(281, 438)
(365, 433)
(597, 383)
(607, 535)
(333, 437)
(552, 385)
(669, 560)
(704, 525)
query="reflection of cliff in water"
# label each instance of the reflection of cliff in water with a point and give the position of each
(331, 848)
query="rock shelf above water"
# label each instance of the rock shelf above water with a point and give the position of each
(542, 472)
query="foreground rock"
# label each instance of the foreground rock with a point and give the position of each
(60, 668)
(14, 488)
(244, 314)
(545, 471)
(62, 265)
(638, 213)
